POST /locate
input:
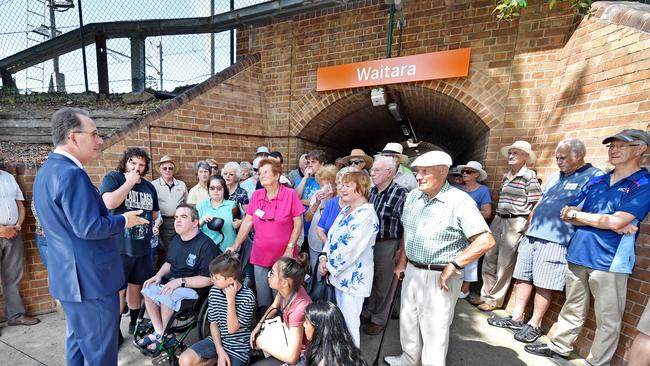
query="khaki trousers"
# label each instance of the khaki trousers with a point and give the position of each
(499, 262)
(609, 291)
(11, 270)
(425, 316)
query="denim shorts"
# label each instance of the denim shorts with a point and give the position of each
(206, 350)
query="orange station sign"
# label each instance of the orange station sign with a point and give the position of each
(426, 66)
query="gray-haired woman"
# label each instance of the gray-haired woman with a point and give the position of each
(200, 192)
(231, 172)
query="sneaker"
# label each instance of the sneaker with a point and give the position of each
(392, 360)
(528, 334)
(541, 350)
(506, 322)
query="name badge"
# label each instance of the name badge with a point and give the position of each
(571, 186)
(259, 213)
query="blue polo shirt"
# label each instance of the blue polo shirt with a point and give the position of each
(606, 250)
(560, 190)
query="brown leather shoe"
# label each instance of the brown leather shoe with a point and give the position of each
(23, 320)
(372, 329)
(487, 307)
(476, 301)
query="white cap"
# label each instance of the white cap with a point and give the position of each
(256, 162)
(432, 158)
(262, 150)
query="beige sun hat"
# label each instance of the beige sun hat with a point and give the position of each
(523, 146)
(358, 154)
(475, 165)
(166, 159)
(394, 148)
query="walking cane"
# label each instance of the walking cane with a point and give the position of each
(392, 305)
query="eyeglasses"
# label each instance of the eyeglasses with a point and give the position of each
(216, 188)
(214, 167)
(255, 169)
(356, 162)
(619, 147)
(468, 172)
(92, 134)
(167, 168)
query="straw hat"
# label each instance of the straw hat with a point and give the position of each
(393, 148)
(474, 165)
(358, 154)
(166, 159)
(523, 146)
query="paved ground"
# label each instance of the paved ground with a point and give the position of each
(472, 342)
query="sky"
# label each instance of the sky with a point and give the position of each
(186, 58)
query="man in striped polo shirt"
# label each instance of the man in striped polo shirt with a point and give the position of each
(443, 232)
(520, 191)
(541, 259)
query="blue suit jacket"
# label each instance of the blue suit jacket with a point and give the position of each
(82, 238)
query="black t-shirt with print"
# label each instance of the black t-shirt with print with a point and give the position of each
(136, 241)
(192, 257)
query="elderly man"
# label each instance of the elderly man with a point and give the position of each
(12, 215)
(541, 260)
(171, 193)
(404, 175)
(299, 172)
(82, 241)
(186, 269)
(443, 232)
(520, 191)
(600, 257)
(388, 199)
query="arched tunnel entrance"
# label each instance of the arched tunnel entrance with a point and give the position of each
(438, 121)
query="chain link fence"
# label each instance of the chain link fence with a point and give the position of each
(171, 61)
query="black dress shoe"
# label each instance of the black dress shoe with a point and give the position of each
(541, 350)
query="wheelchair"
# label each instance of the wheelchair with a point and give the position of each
(192, 313)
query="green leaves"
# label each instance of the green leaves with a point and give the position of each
(510, 9)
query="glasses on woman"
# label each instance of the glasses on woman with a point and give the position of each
(356, 162)
(216, 188)
(468, 172)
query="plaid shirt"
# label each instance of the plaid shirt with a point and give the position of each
(389, 205)
(437, 229)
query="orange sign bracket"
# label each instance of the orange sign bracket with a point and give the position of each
(427, 66)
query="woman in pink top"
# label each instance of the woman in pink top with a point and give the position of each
(276, 214)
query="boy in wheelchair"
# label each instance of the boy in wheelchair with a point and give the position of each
(185, 271)
(231, 307)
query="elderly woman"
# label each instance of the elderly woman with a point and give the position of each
(231, 172)
(250, 184)
(275, 212)
(348, 254)
(200, 192)
(326, 178)
(332, 207)
(472, 174)
(246, 170)
(218, 206)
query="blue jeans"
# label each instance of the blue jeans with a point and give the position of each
(41, 243)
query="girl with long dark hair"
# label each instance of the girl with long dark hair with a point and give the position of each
(330, 342)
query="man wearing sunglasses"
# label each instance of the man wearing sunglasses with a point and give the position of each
(601, 254)
(171, 193)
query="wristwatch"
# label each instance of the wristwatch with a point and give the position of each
(574, 215)
(183, 282)
(458, 267)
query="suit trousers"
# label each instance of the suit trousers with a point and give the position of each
(11, 267)
(609, 290)
(91, 334)
(384, 283)
(499, 262)
(425, 316)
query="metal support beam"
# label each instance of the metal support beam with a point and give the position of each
(7, 80)
(102, 63)
(137, 63)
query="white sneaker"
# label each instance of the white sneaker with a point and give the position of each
(463, 295)
(392, 360)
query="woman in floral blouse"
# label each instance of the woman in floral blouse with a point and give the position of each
(348, 256)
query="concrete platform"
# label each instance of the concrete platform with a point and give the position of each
(472, 342)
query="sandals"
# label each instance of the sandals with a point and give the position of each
(146, 341)
(506, 322)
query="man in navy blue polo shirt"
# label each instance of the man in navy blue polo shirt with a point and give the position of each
(542, 251)
(600, 257)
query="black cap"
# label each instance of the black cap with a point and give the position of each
(629, 135)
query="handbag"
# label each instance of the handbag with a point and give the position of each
(275, 333)
(321, 289)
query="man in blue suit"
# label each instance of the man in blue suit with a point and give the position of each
(85, 271)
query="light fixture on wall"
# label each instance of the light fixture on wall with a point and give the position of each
(394, 110)
(377, 97)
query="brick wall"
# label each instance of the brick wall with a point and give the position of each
(544, 77)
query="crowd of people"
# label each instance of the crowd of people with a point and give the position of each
(259, 243)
